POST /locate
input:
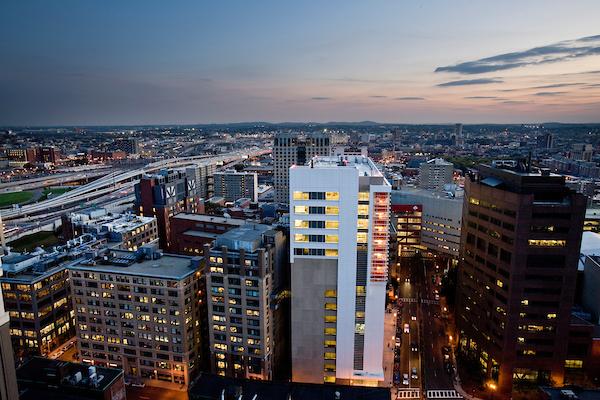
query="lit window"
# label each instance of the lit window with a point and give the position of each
(329, 379)
(332, 196)
(301, 209)
(330, 343)
(363, 196)
(547, 243)
(298, 223)
(332, 210)
(525, 302)
(331, 224)
(330, 331)
(300, 196)
(331, 252)
(361, 237)
(329, 356)
(301, 238)
(551, 316)
(363, 223)
(331, 238)
(330, 293)
(330, 318)
(499, 283)
(573, 364)
(331, 306)
(363, 209)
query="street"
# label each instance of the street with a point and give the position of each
(425, 356)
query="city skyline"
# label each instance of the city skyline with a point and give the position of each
(103, 63)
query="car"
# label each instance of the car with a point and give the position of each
(406, 328)
(413, 373)
(413, 317)
(407, 280)
(437, 296)
(414, 347)
(396, 378)
(405, 379)
(398, 341)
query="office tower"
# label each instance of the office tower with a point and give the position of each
(339, 216)
(163, 195)
(435, 173)
(582, 152)
(8, 377)
(233, 185)
(241, 277)
(545, 141)
(520, 240)
(203, 174)
(459, 139)
(440, 215)
(139, 311)
(295, 149)
(407, 219)
(128, 145)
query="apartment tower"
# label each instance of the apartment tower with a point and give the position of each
(339, 216)
(520, 240)
(8, 376)
(295, 149)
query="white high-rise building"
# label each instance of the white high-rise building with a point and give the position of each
(339, 216)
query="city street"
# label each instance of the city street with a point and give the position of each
(424, 348)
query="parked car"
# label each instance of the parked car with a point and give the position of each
(414, 347)
(406, 328)
(413, 373)
(405, 379)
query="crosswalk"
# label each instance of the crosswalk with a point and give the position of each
(443, 394)
(409, 394)
(408, 299)
(415, 300)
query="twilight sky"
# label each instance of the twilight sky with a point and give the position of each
(431, 61)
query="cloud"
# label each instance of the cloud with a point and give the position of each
(515, 102)
(561, 51)
(548, 93)
(463, 82)
(556, 85)
(410, 98)
(480, 97)
(321, 98)
(378, 97)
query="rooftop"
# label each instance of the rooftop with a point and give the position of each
(364, 165)
(210, 218)
(211, 387)
(54, 379)
(167, 266)
(247, 237)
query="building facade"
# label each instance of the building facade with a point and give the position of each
(190, 232)
(128, 145)
(435, 173)
(139, 311)
(8, 377)
(233, 185)
(295, 149)
(241, 282)
(165, 194)
(521, 234)
(339, 233)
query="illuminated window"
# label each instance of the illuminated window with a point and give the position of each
(330, 293)
(361, 291)
(363, 223)
(331, 252)
(363, 196)
(329, 356)
(361, 237)
(298, 223)
(330, 343)
(301, 209)
(525, 302)
(301, 238)
(300, 196)
(331, 238)
(573, 364)
(330, 331)
(521, 340)
(499, 283)
(332, 210)
(360, 314)
(329, 368)
(332, 196)
(363, 209)
(331, 224)
(330, 318)
(473, 200)
(551, 316)
(331, 306)
(329, 379)
(547, 243)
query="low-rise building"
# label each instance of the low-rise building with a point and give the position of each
(233, 185)
(190, 232)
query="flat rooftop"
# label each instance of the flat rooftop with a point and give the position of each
(364, 165)
(168, 266)
(247, 237)
(210, 218)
